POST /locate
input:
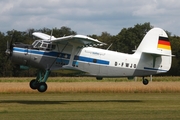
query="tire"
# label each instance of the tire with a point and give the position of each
(33, 84)
(145, 81)
(42, 87)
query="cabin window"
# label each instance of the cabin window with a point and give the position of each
(44, 45)
(131, 65)
(51, 46)
(94, 60)
(116, 63)
(122, 64)
(134, 65)
(127, 64)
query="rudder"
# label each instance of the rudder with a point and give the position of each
(156, 44)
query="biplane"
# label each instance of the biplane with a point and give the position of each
(78, 53)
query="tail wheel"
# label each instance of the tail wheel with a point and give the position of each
(42, 87)
(33, 84)
(145, 81)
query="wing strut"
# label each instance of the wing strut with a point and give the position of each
(58, 55)
(74, 50)
(72, 55)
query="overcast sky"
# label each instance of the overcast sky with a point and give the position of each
(89, 17)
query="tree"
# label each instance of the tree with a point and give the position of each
(175, 43)
(129, 38)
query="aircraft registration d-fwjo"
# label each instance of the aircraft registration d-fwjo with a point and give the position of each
(77, 53)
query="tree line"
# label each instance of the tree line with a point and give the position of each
(125, 41)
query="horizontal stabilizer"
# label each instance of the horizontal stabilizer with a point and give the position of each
(158, 54)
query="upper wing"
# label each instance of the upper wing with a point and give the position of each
(73, 39)
(43, 36)
(78, 39)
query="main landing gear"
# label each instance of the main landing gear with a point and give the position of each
(40, 82)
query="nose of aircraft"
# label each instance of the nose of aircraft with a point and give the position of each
(9, 46)
(8, 51)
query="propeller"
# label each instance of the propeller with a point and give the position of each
(11, 42)
(10, 46)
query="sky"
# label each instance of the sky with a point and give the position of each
(89, 17)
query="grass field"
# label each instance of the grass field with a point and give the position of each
(88, 106)
(87, 99)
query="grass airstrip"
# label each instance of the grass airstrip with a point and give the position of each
(84, 98)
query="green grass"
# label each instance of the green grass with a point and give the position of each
(90, 106)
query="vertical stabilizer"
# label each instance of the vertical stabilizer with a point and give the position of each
(157, 45)
(156, 42)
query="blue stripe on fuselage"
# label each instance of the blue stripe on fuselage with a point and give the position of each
(92, 60)
(38, 52)
(154, 69)
(61, 55)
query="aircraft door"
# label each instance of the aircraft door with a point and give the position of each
(104, 70)
(26, 56)
(91, 65)
(26, 51)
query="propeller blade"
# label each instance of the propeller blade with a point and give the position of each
(9, 46)
(11, 42)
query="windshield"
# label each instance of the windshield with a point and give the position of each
(43, 45)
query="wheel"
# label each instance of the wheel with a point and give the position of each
(33, 84)
(145, 81)
(42, 87)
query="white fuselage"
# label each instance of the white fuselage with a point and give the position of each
(99, 62)
(107, 63)
(91, 61)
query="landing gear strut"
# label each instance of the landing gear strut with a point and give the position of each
(145, 81)
(40, 82)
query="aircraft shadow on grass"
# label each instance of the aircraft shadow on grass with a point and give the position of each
(66, 101)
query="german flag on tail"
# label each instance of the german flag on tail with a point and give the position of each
(164, 43)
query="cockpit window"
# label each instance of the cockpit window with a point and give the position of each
(43, 45)
(34, 43)
(38, 45)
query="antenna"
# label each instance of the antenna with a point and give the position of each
(51, 35)
(109, 46)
